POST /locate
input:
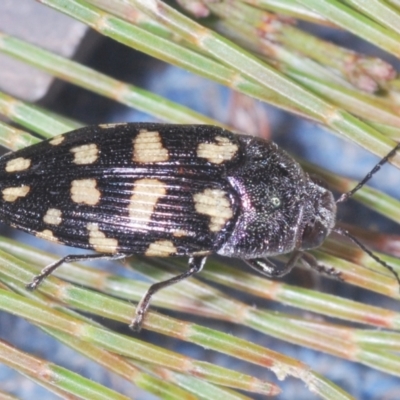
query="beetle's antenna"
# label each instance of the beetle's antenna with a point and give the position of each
(346, 196)
(343, 232)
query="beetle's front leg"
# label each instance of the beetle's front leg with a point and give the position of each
(312, 262)
(268, 268)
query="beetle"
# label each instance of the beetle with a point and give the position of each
(166, 190)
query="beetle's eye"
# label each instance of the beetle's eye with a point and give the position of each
(275, 201)
(314, 235)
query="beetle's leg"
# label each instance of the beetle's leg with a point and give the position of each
(312, 262)
(49, 269)
(268, 268)
(195, 265)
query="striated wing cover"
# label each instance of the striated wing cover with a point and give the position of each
(129, 188)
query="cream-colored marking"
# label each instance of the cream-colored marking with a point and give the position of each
(85, 154)
(84, 191)
(180, 233)
(201, 253)
(148, 147)
(48, 235)
(106, 126)
(99, 241)
(161, 248)
(53, 216)
(18, 164)
(217, 153)
(214, 203)
(146, 194)
(57, 140)
(12, 193)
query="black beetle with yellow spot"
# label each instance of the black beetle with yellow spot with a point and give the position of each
(166, 190)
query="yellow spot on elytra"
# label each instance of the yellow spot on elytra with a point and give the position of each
(161, 248)
(217, 153)
(99, 241)
(215, 204)
(148, 148)
(18, 164)
(180, 233)
(48, 235)
(85, 191)
(57, 140)
(107, 126)
(85, 154)
(143, 201)
(53, 216)
(201, 253)
(12, 193)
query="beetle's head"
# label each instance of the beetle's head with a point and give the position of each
(319, 217)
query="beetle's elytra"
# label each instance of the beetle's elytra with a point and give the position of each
(165, 190)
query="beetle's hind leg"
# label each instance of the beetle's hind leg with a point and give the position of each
(49, 269)
(195, 265)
